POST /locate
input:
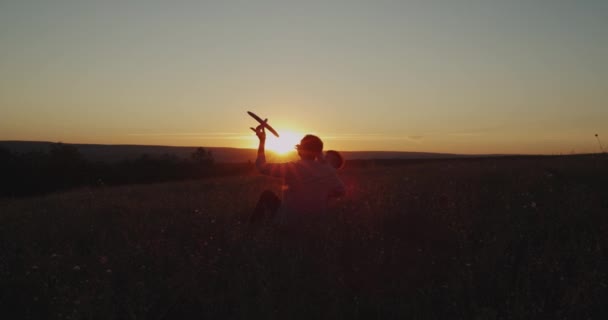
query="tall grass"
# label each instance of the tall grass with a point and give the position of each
(486, 239)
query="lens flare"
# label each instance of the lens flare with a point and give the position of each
(285, 143)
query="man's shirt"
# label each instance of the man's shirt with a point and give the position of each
(307, 185)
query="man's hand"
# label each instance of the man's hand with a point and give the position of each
(260, 132)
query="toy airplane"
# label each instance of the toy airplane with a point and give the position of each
(263, 122)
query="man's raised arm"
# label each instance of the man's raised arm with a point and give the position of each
(271, 169)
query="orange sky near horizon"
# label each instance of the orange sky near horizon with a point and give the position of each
(489, 77)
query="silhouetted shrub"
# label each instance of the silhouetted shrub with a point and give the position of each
(202, 156)
(62, 166)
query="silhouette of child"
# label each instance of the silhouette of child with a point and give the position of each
(307, 183)
(334, 159)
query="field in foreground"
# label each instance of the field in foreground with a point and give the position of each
(486, 239)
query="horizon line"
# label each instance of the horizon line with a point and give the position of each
(245, 148)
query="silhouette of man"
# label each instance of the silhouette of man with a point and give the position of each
(307, 184)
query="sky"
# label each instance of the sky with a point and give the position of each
(457, 76)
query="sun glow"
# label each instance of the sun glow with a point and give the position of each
(285, 143)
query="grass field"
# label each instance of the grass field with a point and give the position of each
(512, 238)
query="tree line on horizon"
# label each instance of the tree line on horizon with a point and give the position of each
(62, 167)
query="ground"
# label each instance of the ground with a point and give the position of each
(486, 239)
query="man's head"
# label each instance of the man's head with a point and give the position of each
(310, 147)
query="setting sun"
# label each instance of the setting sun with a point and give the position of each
(284, 144)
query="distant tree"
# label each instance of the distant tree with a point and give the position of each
(65, 155)
(169, 158)
(143, 158)
(34, 159)
(7, 171)
(7, 162)
(202, 156)
(5, 155)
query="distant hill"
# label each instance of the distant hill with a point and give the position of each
(367, 155)
(115, 153)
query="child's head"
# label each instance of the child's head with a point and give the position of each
(334, 158)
